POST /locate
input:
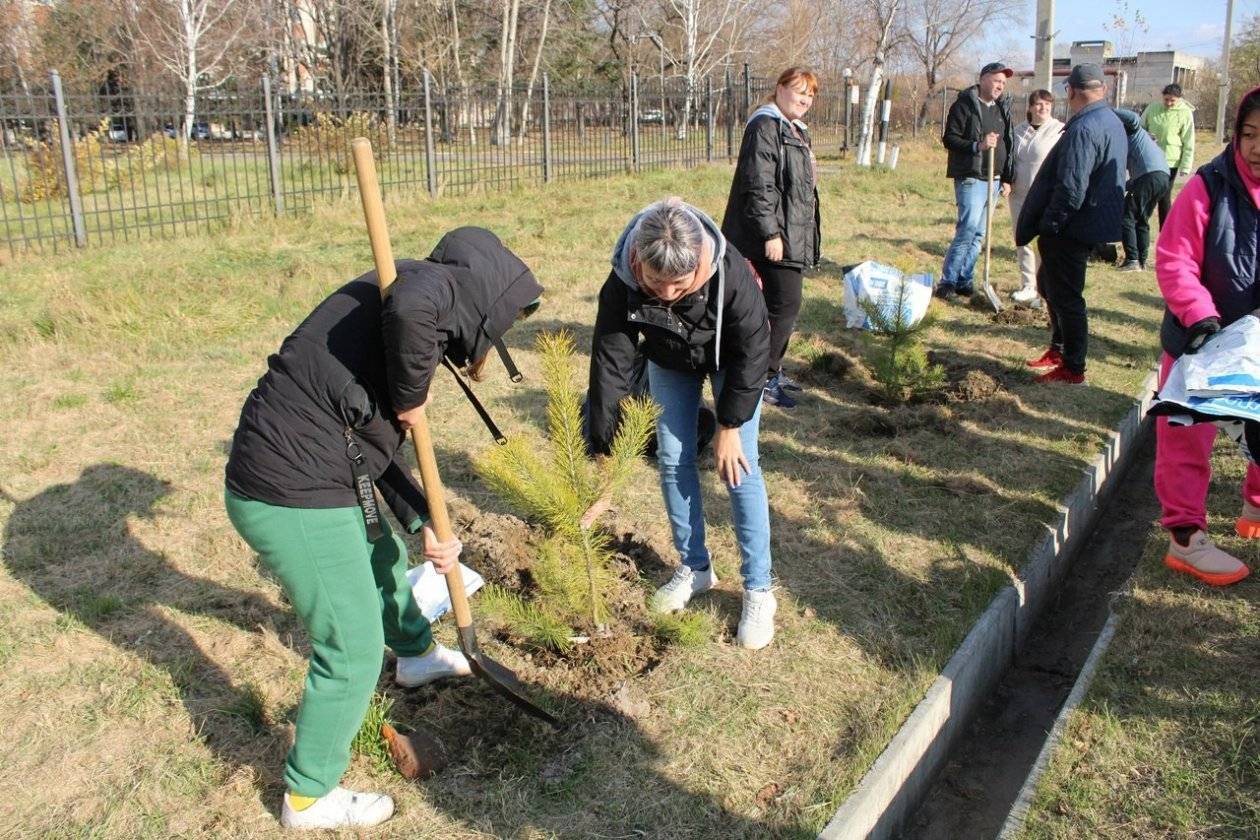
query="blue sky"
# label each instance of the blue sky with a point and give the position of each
(1194, 26)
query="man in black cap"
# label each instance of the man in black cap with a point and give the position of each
(1075, 202)
(979, 120)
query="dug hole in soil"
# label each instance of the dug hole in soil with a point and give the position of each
(590, 685)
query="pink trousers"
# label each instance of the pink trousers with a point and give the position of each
(1183, 468)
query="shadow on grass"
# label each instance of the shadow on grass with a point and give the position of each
(511, 776)
(72, 547)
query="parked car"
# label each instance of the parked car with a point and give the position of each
(651, 115)
(118, 132)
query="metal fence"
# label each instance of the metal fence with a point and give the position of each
(88, 169)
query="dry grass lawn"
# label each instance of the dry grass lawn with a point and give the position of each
(151, 672)
(1167, 741)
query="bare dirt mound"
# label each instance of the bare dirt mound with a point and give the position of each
(1020, 316)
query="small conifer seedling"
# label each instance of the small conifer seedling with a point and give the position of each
(556, 485)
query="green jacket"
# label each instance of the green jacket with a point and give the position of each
(1173, 130)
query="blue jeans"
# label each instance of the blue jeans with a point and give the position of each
(678, 394)
(960, 260)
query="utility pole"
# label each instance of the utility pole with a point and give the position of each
(1222, 99)
(1043, 52)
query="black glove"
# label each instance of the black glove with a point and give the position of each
(1200, 333)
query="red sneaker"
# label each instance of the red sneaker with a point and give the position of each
(1061, 374)
(1050, 359)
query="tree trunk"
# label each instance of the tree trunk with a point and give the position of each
(388, 8)
(872, 90)
(462, 113)
(533, 73)
(502, 135)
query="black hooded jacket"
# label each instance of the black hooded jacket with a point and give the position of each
(723, 325)
(773, 192)
(962, 134)
(354, 361)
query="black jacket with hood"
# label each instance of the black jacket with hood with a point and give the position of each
(354, 361)
(774, 191)
(723, 325)
(962, 136)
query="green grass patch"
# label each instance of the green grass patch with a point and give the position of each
(368, 742)
(1167, 741)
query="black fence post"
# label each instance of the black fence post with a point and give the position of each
(68, 162)
(546, 127)
(747, 93)
(730, 117)
(273, 153)
(634, 122)
(430, 159)
(708, 119)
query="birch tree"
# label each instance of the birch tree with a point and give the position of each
(708, 32)
(533, 72)
(191, 38)
(389, 16)
(884, 13)
(507, 61)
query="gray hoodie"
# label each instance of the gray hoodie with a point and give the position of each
(717, 245)
(723, 324)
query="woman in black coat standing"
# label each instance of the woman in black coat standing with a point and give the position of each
(772, 213)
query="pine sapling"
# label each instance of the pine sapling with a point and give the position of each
(560, 487)
(901, 365)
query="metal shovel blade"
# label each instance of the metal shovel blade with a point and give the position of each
(992, 295)
(500, 677)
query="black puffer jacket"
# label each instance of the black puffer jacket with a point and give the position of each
(723, 325)
(352, 362)
(774, 191)
(962, 133)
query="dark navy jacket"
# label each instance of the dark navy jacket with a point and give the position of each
(1229, 250)
(1079, 192)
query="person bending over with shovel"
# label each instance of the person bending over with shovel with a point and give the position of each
(323, 427)
(691, 302)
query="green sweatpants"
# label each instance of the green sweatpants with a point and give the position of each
(353, 598)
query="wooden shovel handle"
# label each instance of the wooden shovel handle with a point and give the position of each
(374, 212)
(383, 254)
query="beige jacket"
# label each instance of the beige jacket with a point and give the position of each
(1032, 144)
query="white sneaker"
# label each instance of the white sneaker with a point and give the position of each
(673, 596)
(339, 808)
(756, 622)
(438, 663)
(1024, 295)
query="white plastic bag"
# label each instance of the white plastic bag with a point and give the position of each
(1226, 372)
(430, 592)
(1228, 364)
(882, 285)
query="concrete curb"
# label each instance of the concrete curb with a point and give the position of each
(1023, 803)
(902, 775)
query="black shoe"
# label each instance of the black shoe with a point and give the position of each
(944, 292)
(964, 291)
(1130, 266)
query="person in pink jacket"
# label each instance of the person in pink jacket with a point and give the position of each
(1206, 265)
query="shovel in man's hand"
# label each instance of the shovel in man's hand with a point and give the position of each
(989, 291)
(500, 677)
